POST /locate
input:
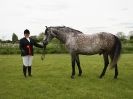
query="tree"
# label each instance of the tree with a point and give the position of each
(35, 38)
(14, 38)
(121, 36)
(131, 35)
(40, 36)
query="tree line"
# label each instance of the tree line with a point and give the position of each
(38, 38)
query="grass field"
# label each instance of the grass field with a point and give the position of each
(51, 78)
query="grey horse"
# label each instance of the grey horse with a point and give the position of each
(79, 43)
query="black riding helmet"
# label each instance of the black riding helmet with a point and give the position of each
(26, 31)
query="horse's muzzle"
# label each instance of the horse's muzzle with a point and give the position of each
(45, 43)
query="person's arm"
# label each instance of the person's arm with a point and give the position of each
(37, 45)
(21, 48)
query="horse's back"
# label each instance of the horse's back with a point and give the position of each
(107, 41)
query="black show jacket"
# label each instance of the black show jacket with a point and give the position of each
(26, 47)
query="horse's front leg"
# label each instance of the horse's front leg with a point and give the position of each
(73, 59)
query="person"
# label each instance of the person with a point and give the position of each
(26, 47)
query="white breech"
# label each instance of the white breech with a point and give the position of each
(27, 60)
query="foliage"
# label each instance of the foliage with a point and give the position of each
(55, 46)
(35, 38)
(127, 46)
(40, 36)
(131, 35)
(14, 38)
(0, 40)
(51, 78)
(9, 48)
(121, 36)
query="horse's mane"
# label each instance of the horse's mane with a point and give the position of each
(67, 29)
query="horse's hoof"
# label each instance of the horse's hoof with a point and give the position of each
(100, 77)
(115, 77)
(72, 77)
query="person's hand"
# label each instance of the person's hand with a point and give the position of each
(23, 52)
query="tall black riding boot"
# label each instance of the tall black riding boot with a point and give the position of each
(24, 70)
(29, 70)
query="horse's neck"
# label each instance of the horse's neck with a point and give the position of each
(63, 37)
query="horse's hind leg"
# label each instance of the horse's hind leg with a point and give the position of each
(106, 62)
(73, 59)
(78, 64)
(116, 68)
(116, 72)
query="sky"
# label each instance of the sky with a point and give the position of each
(88, 16)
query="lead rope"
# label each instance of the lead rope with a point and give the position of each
(43, 53)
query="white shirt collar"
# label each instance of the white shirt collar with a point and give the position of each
(28, 39)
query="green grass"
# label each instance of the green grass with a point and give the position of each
(51, 78)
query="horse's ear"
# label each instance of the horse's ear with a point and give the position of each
(46, 27)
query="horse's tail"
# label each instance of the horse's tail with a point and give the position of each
(116, 52)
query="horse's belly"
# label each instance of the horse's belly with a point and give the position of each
(83, 48)
(89, 50)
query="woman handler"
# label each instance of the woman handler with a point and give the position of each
(26, 47)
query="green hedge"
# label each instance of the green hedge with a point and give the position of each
(14, 49)
(51, 48)
(9, 48)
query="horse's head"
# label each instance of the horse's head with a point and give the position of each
(60, 32)
(49, 35)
